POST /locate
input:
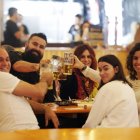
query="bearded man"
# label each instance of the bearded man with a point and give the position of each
(25, 65)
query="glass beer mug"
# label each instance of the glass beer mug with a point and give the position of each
(57, 68)
(68, 62)
(45, 67)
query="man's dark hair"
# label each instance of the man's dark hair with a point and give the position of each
(41, 35)
(12, 11)
(78, 16)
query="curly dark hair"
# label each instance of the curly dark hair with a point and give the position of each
(129, 61)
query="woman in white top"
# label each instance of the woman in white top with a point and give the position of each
(133, 66)
(115, 104)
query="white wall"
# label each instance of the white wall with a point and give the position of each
(52, 18)
(1, 20)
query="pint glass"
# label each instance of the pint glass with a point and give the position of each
(68, 62)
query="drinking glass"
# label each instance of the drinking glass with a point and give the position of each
(45, 67)
(68, 62)
(57, 68)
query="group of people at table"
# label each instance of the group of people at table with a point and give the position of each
(23, 90)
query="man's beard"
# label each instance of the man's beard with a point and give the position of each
(32, 56)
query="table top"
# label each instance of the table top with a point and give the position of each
(71, 109)
(80, 107)
(74, 134)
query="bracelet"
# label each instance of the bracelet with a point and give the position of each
(83, 68)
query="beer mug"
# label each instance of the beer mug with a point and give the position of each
(68, 62)
(57, 68)
(45, 67)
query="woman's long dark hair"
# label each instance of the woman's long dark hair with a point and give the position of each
(114, 61)
(129, 62)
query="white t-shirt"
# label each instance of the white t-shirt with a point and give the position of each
(114, 106)
(15, 113)
(136, 87)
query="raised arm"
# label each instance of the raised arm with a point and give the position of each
(37, 91)
(87, 71)
(24, 66)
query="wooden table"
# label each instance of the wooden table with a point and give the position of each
(71, 109)
(74, 134)
(71, 116)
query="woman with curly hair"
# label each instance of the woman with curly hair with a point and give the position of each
(80, 85)
(133, 66)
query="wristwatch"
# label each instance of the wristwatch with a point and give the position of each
(84, 68)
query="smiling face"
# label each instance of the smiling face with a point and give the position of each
(86, 58)
(5, 64)
(36, 43)
(107, 71)
(136, 62)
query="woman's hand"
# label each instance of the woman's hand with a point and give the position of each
(77, 63)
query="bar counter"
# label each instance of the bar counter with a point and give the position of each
(74, 134)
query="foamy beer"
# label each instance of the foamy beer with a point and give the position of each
(57, 68)
(56, 74)
(68, 62)
(55, 61)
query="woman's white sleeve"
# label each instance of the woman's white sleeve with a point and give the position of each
(92, 74)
